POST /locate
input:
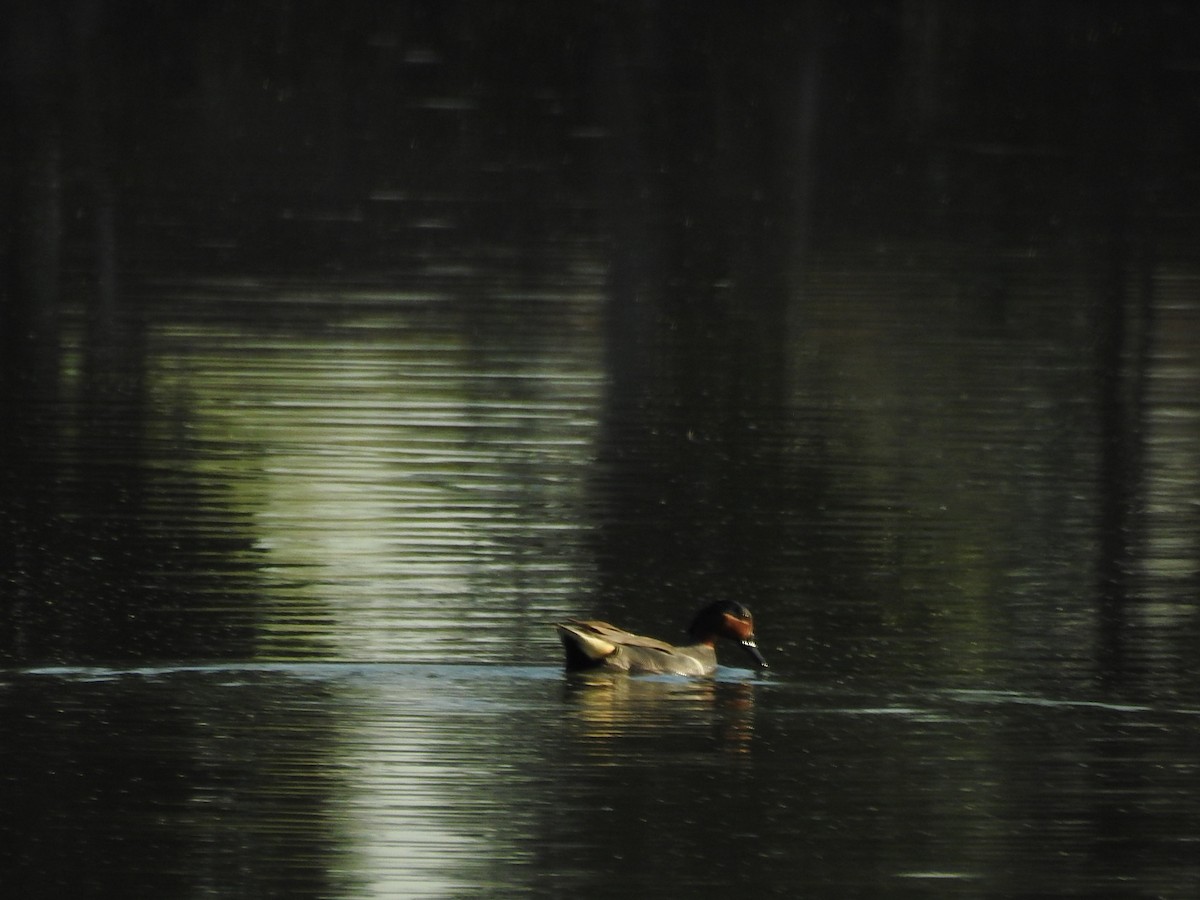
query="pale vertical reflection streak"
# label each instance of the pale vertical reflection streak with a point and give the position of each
(415, 805)
(401, 849)
(1170, 431)
(406, 481)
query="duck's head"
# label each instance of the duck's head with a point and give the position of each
(727, 619)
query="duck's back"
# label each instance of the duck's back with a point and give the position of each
(594, 644)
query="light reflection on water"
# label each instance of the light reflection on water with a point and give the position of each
(389, 462)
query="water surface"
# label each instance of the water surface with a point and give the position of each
(388, 779)
(338, 363)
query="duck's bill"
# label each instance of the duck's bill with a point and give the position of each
(752, 649)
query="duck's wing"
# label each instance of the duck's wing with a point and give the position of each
(619, 636)
(584, 647)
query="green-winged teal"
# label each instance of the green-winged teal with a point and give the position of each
(603, 647)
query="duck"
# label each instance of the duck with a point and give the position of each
(598, 646)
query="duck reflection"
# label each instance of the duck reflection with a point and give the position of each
(608, 709)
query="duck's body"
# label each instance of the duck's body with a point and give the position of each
(600, 646)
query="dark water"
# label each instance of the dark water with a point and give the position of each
(339, 362)
(402, 779)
